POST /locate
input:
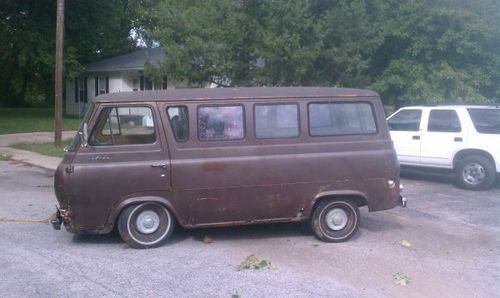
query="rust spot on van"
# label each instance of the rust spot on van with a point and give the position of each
(213, 166)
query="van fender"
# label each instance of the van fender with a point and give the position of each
(358, 197)
(137, 200)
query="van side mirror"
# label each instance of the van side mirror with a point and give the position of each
(85, 135)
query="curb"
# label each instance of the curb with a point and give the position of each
(42, 161)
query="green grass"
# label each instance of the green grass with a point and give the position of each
(43, 148)
(17, 120)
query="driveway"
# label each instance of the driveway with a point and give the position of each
(454, 238)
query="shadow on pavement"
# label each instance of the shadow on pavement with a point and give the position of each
(431, 175)
(369, 222)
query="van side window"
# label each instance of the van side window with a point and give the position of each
(178, 118)
(331, 119)
(220, 123)
(444, 121)
(276, 121)
(405, 120)
(124, 126)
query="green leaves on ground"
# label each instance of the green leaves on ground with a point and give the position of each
(401, 278)
(252, 262)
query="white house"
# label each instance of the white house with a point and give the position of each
(117, 74)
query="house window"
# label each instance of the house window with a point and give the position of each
(81, 90)
(149, 84)
(135, 84)
(102, 85)
(158, 85)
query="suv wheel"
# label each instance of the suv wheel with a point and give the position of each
(475, 173)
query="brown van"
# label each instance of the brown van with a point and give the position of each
(148, 161)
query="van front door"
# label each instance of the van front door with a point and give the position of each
(123, 159)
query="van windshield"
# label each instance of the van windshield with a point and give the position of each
(72, 146)
(486, 120)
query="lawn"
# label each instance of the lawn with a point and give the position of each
(43, 148)
(16, 120)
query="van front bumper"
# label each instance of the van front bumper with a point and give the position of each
(62, 216)
(403, 201)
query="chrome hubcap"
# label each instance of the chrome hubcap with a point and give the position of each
(147, 222)
(473, 173)
(336, 219)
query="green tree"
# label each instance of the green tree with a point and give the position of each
(207, 41)
(439, 51)
(93, 30)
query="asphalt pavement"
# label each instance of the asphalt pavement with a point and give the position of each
(453, 251)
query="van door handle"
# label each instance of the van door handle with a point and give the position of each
(416, 137)
(458, 139)
(160, 164)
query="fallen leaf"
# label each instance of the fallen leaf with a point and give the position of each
(207, 239)
(405, 244)
(252, 262)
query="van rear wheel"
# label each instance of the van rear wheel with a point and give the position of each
(146, 225)
(335, 221)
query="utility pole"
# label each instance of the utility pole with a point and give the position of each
(59, 74)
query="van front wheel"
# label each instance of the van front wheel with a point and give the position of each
(146, 225)
(335, 221)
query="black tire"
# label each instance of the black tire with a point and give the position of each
(475, 172)
(323, 220)
(146, 225)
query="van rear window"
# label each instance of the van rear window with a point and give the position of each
(332, 119)
(220, 123)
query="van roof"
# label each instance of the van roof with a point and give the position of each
(235, 93)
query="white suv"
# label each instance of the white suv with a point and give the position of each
(465, 139)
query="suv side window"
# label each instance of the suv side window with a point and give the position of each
(444, 121)
(124, 126)
(405, 120)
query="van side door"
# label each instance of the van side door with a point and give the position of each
(124, 159)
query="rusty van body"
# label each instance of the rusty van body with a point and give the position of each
(147, 161)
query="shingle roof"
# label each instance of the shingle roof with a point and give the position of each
(131, 61)
(236, 93)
